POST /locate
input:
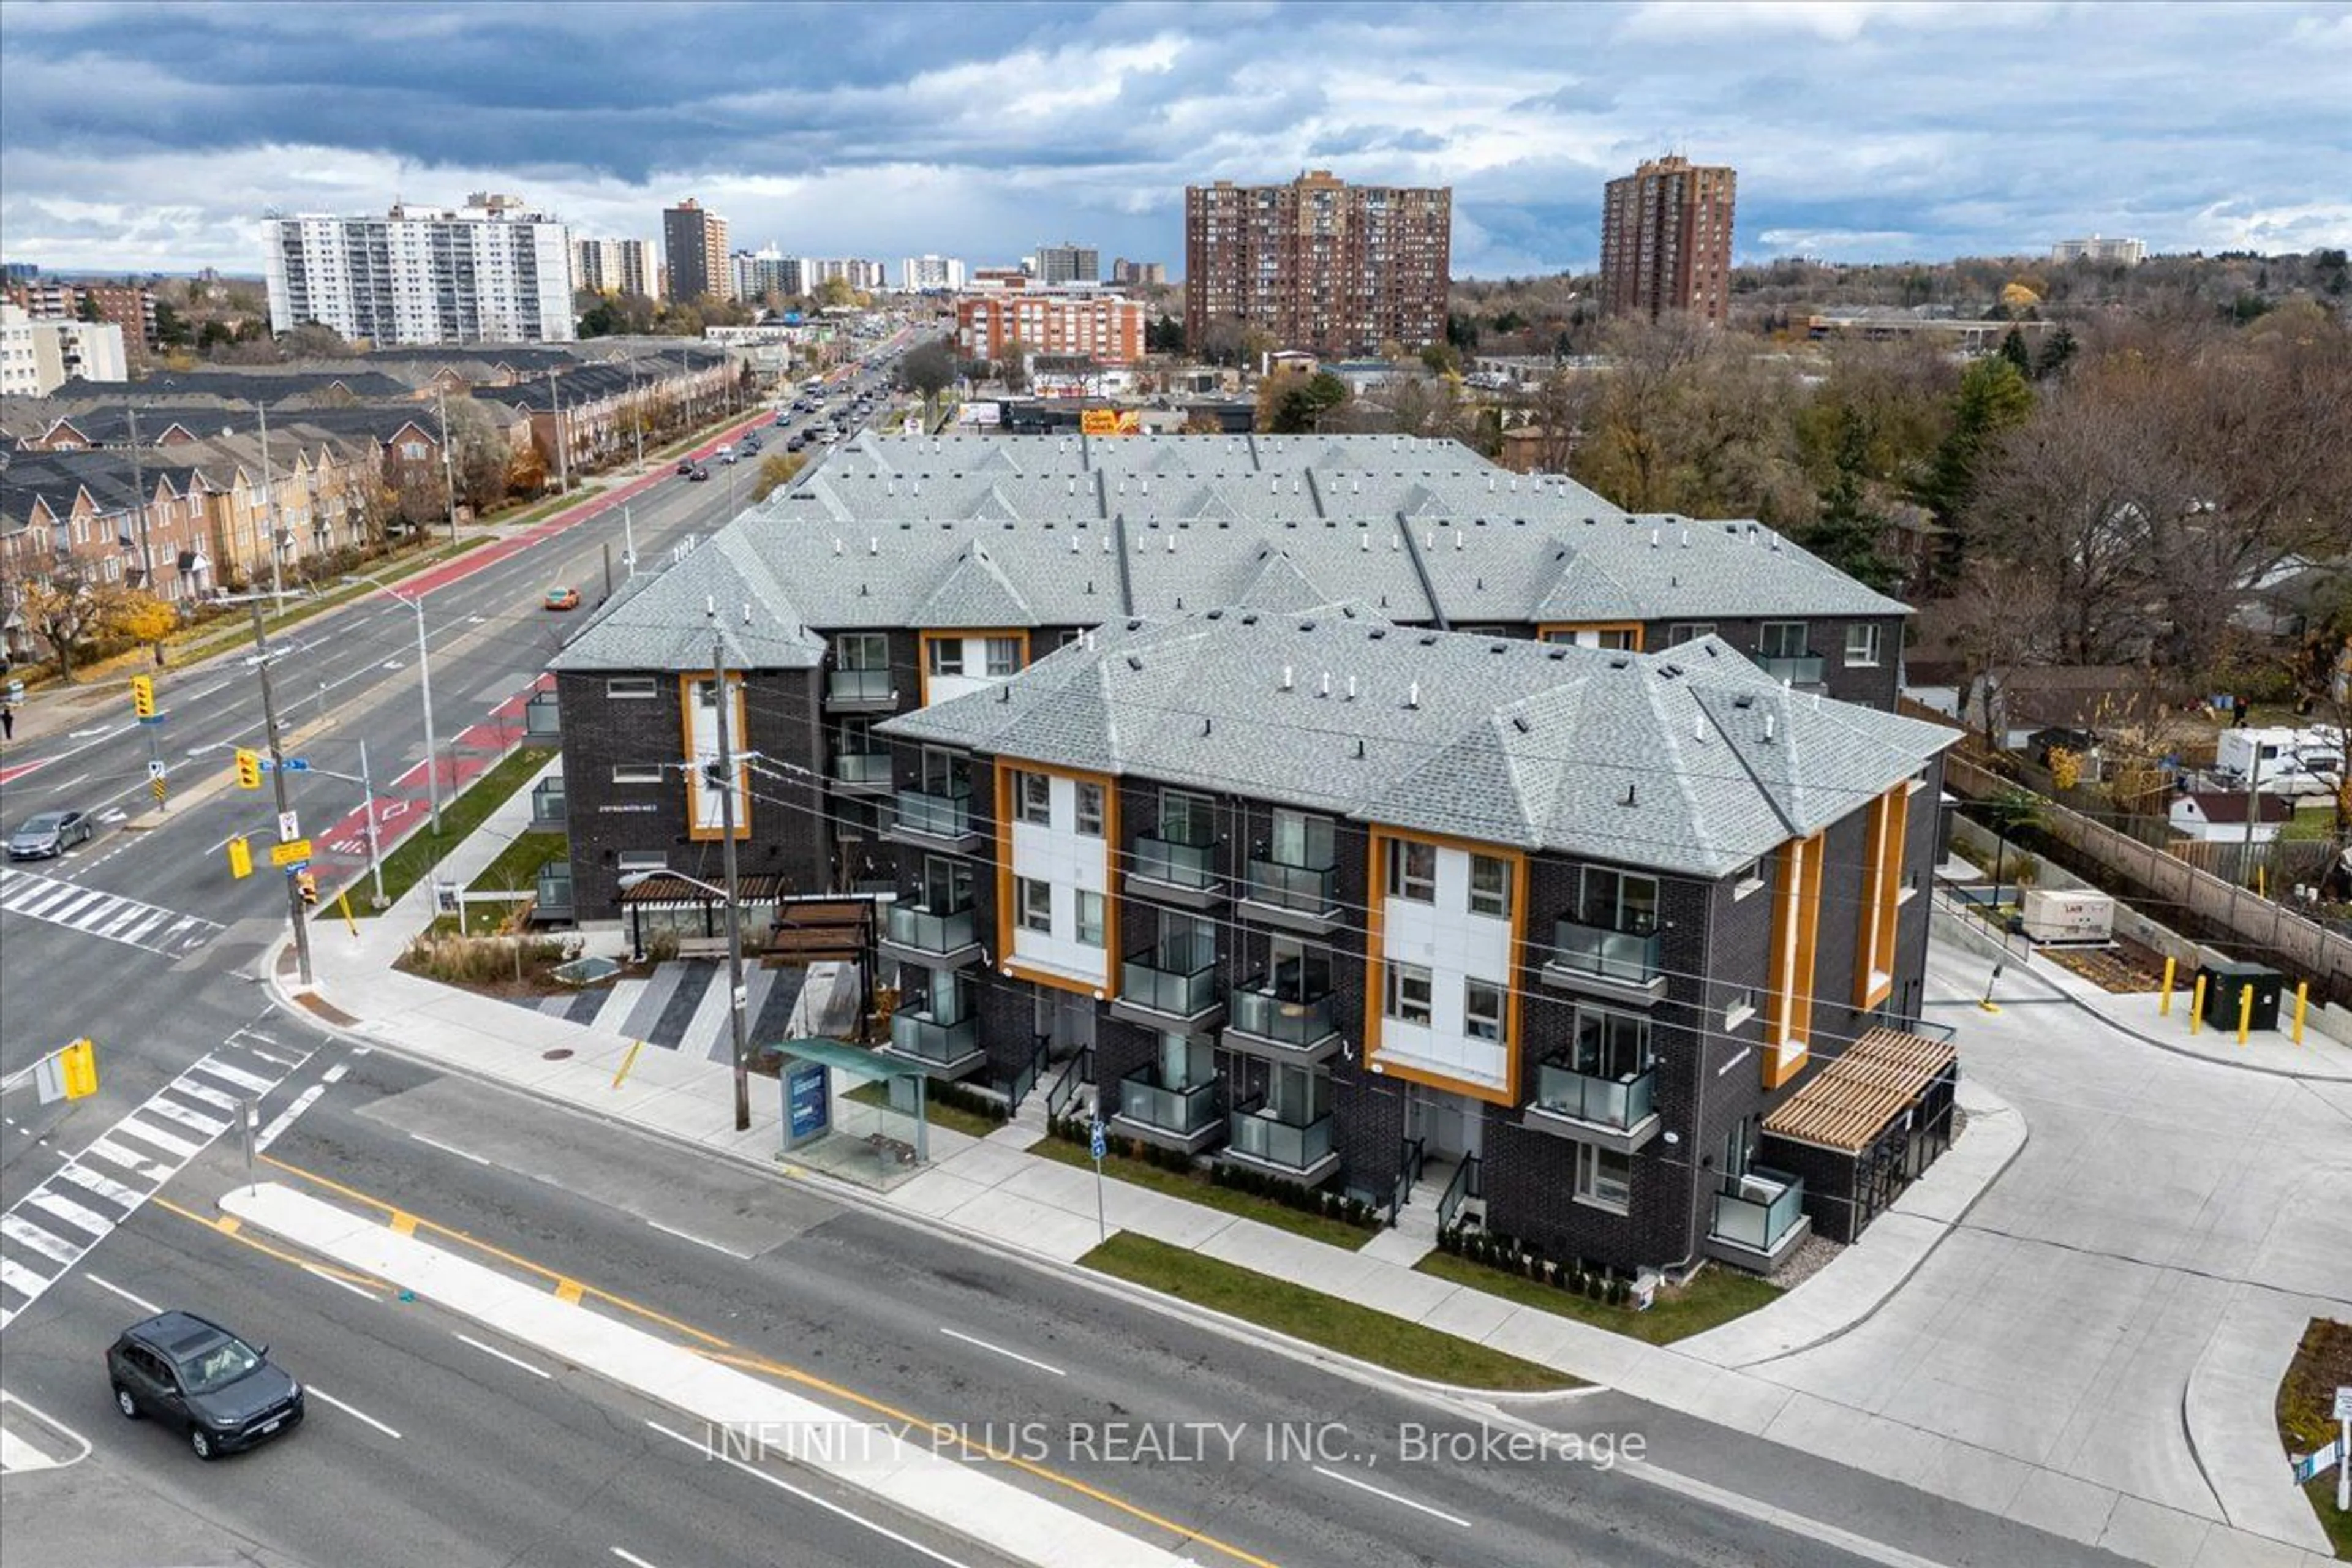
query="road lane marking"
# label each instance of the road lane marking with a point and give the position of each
(177, 1147)
(25, 1233)
(340, 1283)
(510, 1360)
(214, 1068)
(830, 1507)
(72, 1213)
(114, 1192)
(447, 1149)
(318, 1392)
(1349, 1480)
(631, 1558)
(171, 1111)
(1000, 1349)
(699, 1241)
(141, 1302)
(25, 1456)
(286, 1117)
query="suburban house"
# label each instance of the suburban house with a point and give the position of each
(1629, 944)
(2218, 816)
(902, 571)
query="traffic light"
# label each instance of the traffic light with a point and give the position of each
(143, 696)
(249, 769)
(240, 857)
(308, 883)
(79, 1061)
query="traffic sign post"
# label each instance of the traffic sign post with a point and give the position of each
(294, 853)
(1099, 1142)
(2343, 1450)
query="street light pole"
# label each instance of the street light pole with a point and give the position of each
(277, 777)
(563, 445)
(425, 684)
(726, 783)
(375, 850)
(270, 503)
(448, 466)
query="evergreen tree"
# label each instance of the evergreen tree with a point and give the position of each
(1846, 534)
(1993, 397)
(2057, 353)
(2012, 348)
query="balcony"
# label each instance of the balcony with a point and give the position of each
(1626, 965)
(1301, 898)
(1279, 1027)
(547, 804)
(1187, 1119)
(1619, 1113)
(944, 1048)
(1303, 1152)
(862, 773)
(935, 821)
(554, 901)
(1174, 871)
(1759, 1219)
(932, 939)
(860, 691)
(1173, 986)
(1796, 669)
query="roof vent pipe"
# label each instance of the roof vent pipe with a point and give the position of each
(1325, 685)
(1490, 484)
(873, 546)
(1286, 681)
(1074, 544)
(1631, 795)
(1171, 544)
(1412, 695)
(1654, 539)
(1363, 541)
(836, 547)
(1458, 538)
(1768, 729)
(1685, 538)
(1351, 688)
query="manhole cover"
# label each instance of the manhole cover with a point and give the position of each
(557, 1055)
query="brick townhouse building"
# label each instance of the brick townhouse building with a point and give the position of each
(1344, 901)
(904, 570)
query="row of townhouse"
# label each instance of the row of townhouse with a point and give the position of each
(592, 415)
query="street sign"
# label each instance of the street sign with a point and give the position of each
(155, 768)
(296, 868)
(296, 765)
(2344, 1404)
(1099, 1142)
(293, 852)
(289, 827)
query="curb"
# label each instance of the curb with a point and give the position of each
(2119, 1026)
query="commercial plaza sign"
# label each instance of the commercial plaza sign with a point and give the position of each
(807, 1102)
(1110, 422)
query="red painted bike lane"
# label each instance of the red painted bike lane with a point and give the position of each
(406, 805)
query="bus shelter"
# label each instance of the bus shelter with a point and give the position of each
(850, 1112)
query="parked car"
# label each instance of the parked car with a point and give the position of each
(562, 599)
(797, 443)
(686, 467)
(700, 474)
(224, 1392)
(49, 834)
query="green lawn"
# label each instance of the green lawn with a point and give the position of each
(1196, 1188)
(1716, 1297)
(2310, 823)
(1327, 1320)
(2321, 1365)
(407, 865)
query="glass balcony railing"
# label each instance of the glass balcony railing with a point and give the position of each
(1183, 1111)
(554, 901)
(1756, 1210)
(920, 1035)
(1176, 981)
(546, 802)
(1605, 1101)
(925, 930)
(862, 767)
(860, 685)
(945, 815)
(1633, 957)
(1285, 1020)
(1309, 888)
(1176, 863)
(1262, 1135)
(1796, 669)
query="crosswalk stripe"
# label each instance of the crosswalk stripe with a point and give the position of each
(71, 912)
(72, 1213)
(136, 934)
(21, 1279)
(110, 916)
(174, 1112)
(177, 1147)
(106, 1187)
(112, 922)
(187, 1085)
(46, 894)
(25, 1233)
(114, 1154)
(220, 1069)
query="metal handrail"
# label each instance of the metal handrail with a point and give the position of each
(1457, 1192)
(1063, 1092)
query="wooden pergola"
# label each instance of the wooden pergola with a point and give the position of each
(1851, 1100)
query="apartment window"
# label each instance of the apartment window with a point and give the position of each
(1003, 656)
(1090, 810)
(946, 656)
(1413, 871)
(1037, 900)
(629, 861)
(636, 773)
(1302, 840)
(1034, 798)
(1605, 1177)
(1482, 1010)
(1611, 1045)
(1618, 900)
(862, 650)
(1409, 993)
(630, 687)
(1781, 639)
(1862, 645)
(1090, 920)
(1490, 886)
(1689, 631)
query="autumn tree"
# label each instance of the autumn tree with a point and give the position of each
(134, 616)
(478, 454)
(68, 609)
(777, 469)
(1292, 401)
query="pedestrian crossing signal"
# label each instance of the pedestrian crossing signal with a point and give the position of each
(79, 1062)
(308, 883)
(143, 696)
(240, 857)
(249, 769)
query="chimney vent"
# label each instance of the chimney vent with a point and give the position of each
(1412, 695)
(1286, 678)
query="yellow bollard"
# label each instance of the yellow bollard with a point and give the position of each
(2245, 1011)
(2197, 1006)
(343, 902)
(2164, 1008)
(2302, 1000)
(628, 1061)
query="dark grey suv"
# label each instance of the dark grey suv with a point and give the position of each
(194, 1373)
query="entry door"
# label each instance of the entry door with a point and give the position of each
(1438, 1120)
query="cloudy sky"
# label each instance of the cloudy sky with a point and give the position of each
(133, 136)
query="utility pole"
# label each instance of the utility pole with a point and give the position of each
(139, 501)
(628, 540)
(448, 468)
(636, 413)
(563, 445)
(726, 785)
(269, 504)
(375, 850)
(277, 777)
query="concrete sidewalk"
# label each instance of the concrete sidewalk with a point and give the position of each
(1754, 1374)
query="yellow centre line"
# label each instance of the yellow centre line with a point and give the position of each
(229, 1227)
(569, 1288)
